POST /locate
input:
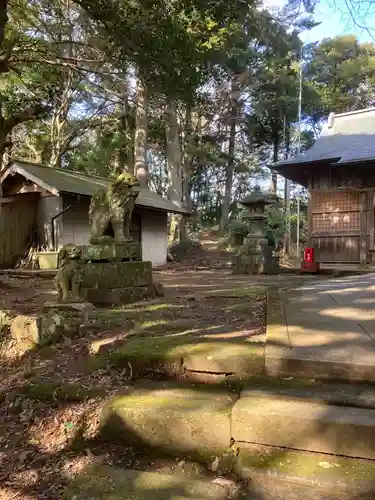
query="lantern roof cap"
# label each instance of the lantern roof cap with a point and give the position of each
(258, 197)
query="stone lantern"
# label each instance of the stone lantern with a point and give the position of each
(255, 256)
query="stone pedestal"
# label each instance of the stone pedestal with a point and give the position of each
(108, 271)
(118, 252)
(115, 275)
(255, 256)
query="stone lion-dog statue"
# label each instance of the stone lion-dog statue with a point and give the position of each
(112, 207)
(69, 278)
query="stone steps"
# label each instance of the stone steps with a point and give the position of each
(304, 425)
(200, 424)
(110, 483)
(279, 366)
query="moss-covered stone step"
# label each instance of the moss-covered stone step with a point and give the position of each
(109, 483)
(272, 420)
(190, 357)
(288, 477)
(200, 423)
(177, 421)
(277, 473)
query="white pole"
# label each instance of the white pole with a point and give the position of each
(298, 221)
(299, 143)
(299, 104)
(288, 235)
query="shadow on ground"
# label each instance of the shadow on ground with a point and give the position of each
(49, 436)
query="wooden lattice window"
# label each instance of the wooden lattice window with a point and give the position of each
(336, 212)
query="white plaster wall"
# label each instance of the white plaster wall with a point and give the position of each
(76, 228)
(154, 236)
(75, 221)
(48, 206)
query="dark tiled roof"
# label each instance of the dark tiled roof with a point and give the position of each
(67, 181)
(346, 138)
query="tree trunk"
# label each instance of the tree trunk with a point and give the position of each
(59, 118)
(224, 216)
(187, 170)
(141, 136)
(124, 155)
(6, 129)
(3, 23)
(275, 156)
(174, 156)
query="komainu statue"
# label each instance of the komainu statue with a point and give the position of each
(111, 208)
(70, 274)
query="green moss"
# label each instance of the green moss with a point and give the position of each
(108, 483)
(239, 308)
(156, 322)
(254, 292)
(304, 464)
(147, 308)
(178, 346)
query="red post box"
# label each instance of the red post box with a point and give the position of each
(308, 264)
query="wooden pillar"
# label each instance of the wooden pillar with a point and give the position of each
(370, 218)
(363, 230)
(309, 218)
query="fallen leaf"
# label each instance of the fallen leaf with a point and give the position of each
(328, 465)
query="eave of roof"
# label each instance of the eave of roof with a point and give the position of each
(347, 138)
(58, 181)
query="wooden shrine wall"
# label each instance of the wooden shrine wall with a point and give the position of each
(335, 226)
(341, 213)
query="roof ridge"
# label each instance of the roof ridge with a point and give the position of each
(68, 170)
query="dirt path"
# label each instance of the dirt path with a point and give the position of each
(51, 397)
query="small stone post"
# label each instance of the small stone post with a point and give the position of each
(255, 256)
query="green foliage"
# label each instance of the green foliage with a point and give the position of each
(171, 43)
(275, 225)
(341, 71)
(179, 250)
(238, 229)
(222, 62)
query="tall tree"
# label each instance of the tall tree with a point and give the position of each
(341, 71)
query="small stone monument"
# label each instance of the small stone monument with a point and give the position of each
(255, 256)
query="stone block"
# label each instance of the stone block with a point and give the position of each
(108, 483)
(247, 264)
(55, 322)
(237, 360)
(112, 275)
(25, 329)
(70, 307)
(255, 264)
(277, 473)
(55, 325)
(118, 296)
(179, 421)
(114, 252)
(304, 425)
